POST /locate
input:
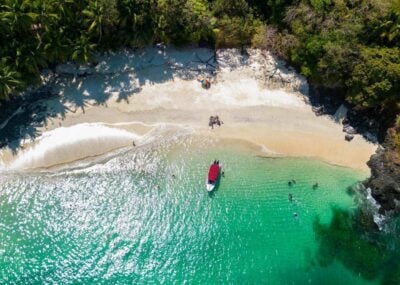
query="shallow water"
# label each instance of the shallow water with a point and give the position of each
(144, 216)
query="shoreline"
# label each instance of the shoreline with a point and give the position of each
(276, 117)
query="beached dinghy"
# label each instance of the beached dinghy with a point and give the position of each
(213, 175)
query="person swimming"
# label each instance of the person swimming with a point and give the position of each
(290, 183)
(315, 186)
(290, 196)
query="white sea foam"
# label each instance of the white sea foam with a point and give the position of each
(378, 218)
(160, 79)
(68, 144)
(81, 142)
(267, 150)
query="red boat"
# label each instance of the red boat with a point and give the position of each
(213, 175)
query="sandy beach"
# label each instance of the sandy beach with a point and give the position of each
(154, 94)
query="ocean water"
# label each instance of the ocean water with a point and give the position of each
(142, 216)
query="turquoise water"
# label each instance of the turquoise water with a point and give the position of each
(144, 217)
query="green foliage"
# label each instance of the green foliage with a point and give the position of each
(270, 38)
(234, 32)
(83, 50)
(9, 79)
(397, 133)
(352, 45)
(17, 14)
(390, 28)
(232, 8)
(375, 79)
(184, 21)
(320, 4)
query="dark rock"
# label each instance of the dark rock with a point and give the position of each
(318, 110)
(385, 175)
(373, 125)
(349, 137)
(350, 130)
(325, 100)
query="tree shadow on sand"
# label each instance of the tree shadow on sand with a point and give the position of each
(121, 74)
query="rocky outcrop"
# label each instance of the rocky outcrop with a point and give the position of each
(385, 175)
(374, 126)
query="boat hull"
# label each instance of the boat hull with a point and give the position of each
(210, 187)
(213, 176)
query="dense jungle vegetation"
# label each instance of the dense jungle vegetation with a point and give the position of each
(349, 45)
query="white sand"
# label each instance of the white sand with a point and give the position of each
(152, 95)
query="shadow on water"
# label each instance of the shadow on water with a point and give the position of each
(123, 73)
(353, 239)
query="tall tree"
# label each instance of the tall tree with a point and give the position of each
(83, 50)
(9, 79)
(18, 14)
(94, 17)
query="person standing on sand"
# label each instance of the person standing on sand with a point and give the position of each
(211, 122)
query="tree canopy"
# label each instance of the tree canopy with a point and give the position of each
(347, 44)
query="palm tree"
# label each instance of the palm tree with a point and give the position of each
(56, 45)
(137, 19)
(94, 14)
(9, 79)
(83, 50)
(47, 13)
(17, 15)
(29, 59)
